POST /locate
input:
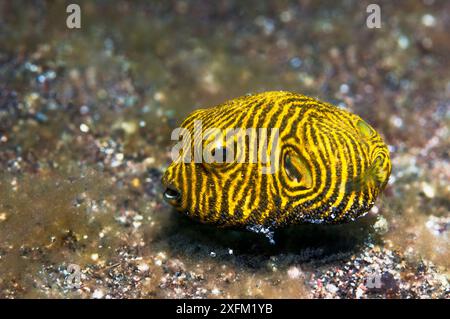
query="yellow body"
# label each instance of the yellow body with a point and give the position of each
(332, 165)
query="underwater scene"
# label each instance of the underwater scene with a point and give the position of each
(94, 205)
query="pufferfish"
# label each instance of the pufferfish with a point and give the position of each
(330, 165)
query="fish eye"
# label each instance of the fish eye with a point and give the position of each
(291, 170)
(297, 170)
(364, 128)
(172, 196)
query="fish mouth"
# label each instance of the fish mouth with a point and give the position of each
(172, 196)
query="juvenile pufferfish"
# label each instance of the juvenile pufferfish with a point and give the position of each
(332, 165)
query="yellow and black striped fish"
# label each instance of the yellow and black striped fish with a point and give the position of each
(331, 164)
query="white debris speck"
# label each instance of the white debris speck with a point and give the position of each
(129, 127)
(149, 161)
(98, 294)
(374, 210)
(215, 291)
(137, 224)
(84, 110)
(143, 267)
(159, 96)
(359, 293)
(396, 121)
(94, 257)
(403, 42)
(121, 219)
(428, 20)
(428, 190)
(162, 255)
(267, 24)
(286, 16)
(438, 225)
(294, 272)
(331, 288)
(344, 88)
(381, 226)
(117, 160)
(84, 128)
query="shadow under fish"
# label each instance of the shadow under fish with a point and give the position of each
(320, 243)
